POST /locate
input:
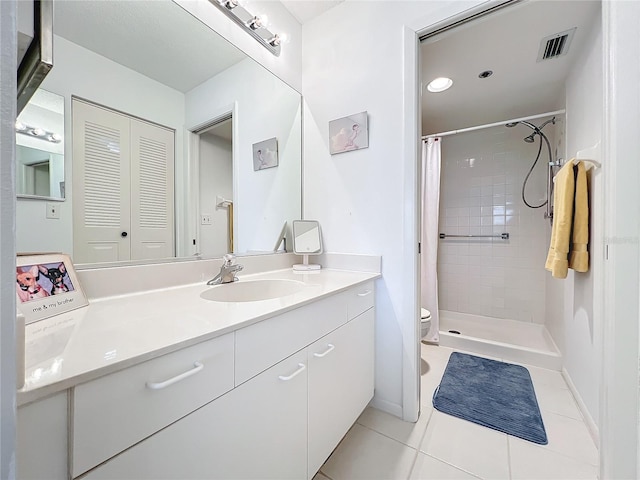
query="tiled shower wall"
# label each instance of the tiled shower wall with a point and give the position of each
(481, 181)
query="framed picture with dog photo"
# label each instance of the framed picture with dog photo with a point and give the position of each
(47, 285)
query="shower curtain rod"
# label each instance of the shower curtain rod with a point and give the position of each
(496, 124)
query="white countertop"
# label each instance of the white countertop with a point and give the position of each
(117, 332)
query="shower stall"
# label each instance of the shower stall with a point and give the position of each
(495, 204)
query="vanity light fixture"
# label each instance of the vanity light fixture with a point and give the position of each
(439, 84)
(38, 132)
(255, 25)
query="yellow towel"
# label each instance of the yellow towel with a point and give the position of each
(570, 222)
(557, 262)
(579, 256)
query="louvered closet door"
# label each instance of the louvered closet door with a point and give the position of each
(152, 167)
(101, 184)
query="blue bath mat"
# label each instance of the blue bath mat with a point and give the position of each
(495, 394)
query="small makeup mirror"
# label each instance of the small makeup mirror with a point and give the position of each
(306, 241)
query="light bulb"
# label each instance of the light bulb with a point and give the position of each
(439, 84)
(255, 23)
(21, 127)
(284, 37)
(275, 40)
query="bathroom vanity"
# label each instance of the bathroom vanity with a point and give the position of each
(241, 389)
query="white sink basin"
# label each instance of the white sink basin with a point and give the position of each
(252, 290)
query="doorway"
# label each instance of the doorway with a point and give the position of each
(213, 163)
(490, 264)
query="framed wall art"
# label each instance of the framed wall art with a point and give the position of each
(47, 285)
(348, 133)
(265, 154)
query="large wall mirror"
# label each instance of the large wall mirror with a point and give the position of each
(151, 64)
(40, 148)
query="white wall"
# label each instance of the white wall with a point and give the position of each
(8, 49)
(365, 200)
(575, 320)
(264, 199)
(82, 73)
(619, 410)
(216, 178)
(480, 194)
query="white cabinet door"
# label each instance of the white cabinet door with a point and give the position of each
(152, 167)
(256, 431)
(340, 385)
(101, 184)
(42, 439)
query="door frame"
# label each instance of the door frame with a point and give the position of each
(451, 15)
(618, 291)
(192, 135)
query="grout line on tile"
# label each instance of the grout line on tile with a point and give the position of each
(418, 452)
(424, 433)
(413, 463)
(452, 465)
(546, 410)
(546, 447)
(387, 436)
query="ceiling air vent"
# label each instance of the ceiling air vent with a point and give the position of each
(555, 46)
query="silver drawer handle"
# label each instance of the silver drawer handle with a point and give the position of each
(197, 366)
(301, 367)
(365, 293)
(326, 352)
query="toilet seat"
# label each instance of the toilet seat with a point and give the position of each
(425, 322)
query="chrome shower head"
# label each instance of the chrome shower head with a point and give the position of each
(530, 138)
(512, 124)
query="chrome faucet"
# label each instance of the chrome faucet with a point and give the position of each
(227, 272)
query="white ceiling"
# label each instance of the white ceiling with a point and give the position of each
(305, 10)
(156, 38)
(506, 42)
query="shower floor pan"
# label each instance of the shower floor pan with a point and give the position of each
(508, 340)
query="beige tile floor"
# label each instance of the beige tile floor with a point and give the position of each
(439, 446)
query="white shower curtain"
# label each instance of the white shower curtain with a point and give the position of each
(429, 234)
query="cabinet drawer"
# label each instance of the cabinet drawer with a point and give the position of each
(264, 344)
(256, 431)
(361, 299)
(114, 412)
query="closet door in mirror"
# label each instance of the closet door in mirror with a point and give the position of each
(123, 170)
(101, 184)
(152, 171)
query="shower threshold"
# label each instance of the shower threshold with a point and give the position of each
(508, 340)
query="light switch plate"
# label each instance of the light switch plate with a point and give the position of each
(53, 210)
(205, 219)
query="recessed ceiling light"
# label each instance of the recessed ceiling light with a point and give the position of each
(440, 84)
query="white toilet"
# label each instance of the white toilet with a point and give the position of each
(425, 322)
